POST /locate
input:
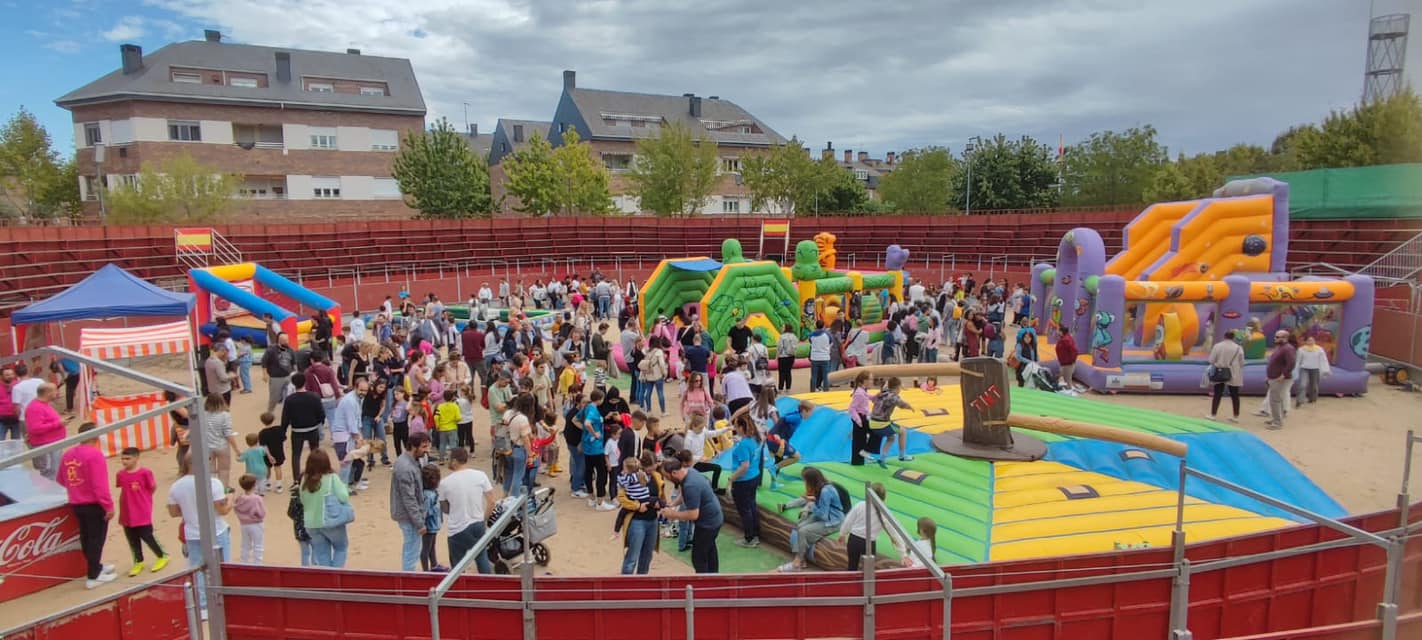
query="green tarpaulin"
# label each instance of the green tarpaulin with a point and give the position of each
(1386, 191)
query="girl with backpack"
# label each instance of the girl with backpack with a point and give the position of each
(825, 512)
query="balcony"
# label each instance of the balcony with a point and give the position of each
(263, 188)
(257, 136)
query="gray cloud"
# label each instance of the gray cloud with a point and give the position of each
(876, 76)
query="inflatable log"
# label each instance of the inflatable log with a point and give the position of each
(775, 530)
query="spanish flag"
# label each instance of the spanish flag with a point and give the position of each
(194, 239)
(774, 229)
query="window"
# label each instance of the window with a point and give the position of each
(372, 91)
(91, 188)
(385, 188)
(861, 174)
(321, 87)
(730, 165)
(92, 136)
(128, 180)
(730, 206)
(323, 137)
(609, 122)
(184, 131)
(187, 77)
(246, 83)
(747, 129)
(326, 187)
(617, 161)
(384, 140)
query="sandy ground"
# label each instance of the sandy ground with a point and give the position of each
(1352, 447)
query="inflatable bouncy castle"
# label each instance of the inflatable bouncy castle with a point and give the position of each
(1188, 273)
(236, 292)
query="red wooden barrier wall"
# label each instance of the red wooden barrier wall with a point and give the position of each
(156, 613)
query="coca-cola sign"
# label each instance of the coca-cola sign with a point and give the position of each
(33, 541)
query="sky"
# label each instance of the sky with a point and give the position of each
(874, 76)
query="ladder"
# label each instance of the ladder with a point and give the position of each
(200, 247)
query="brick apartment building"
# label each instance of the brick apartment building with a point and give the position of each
(613, 121)
(867, 171)
(312, 133)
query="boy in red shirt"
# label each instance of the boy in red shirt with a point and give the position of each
(85, 476)
(136, 486)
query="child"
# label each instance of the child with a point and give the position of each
(446, 419)
(429, 475)
(859, 417)
(883, 429)
(258, 460)
(784, 454)
(273, 439)
(545, 444)
(930, 387)
(251, 513)
(632, 493)
(136, 487)
(465, 428)
(703, 445)
(419, 412)
(925, 542)
(356, 458)
(600, 377)
(244, 362)
(297, 513)
(400, 420)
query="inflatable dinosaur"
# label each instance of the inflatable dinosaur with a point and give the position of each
(807, 262)
(824, 241)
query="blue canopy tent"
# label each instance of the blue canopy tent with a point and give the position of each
(109, 292)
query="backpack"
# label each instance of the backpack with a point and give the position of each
(843, 495)
(990, 331)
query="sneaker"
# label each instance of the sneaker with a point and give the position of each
(749, 544)
(905, 458)
(1234, 419)
(278, 488)
(788, 567)
(109, 569)
(103, 579)
(880, 461)
(866, 455)
(137, 569)
(202, 614)
(439, 568)
(364, 484)
(1211, 416)
(1273, 426)
(580, 494)
(592, 503)
(606, 506)
(1262, 414)
(159, 564)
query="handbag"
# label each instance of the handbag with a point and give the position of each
(337, 513)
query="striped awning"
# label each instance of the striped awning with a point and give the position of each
(133, 342)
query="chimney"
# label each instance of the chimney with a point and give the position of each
(889, 157)
(714, 98)
(570, 79)
(695, 104)
(212, 35)
(518, 133)
(132, 56)
(848, 156)
(474, 129)
(283, 62)
(354, 52)
(863, 156)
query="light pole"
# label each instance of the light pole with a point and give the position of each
(973, 143)
(100, 183)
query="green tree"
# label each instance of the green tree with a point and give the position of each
(1009, 174)
(923, 182)
(178, 190)
(1111, 168)
(31, 172)
(441, 176)
(1171, 184)
(62, 197)
(581, 180)
(674, 173)
(532, 178)
(1387, 131)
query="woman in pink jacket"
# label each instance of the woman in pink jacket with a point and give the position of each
(43, 425)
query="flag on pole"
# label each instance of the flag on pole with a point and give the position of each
(774, 229)
(1061, 146)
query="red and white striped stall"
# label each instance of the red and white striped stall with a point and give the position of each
(130, 342)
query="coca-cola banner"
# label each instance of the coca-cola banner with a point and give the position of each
(38, 551)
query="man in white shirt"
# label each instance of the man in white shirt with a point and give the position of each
(183, 503)
(356, 332)
(486, 297)
(388, 308)
(916, 291)
(25, 391)
(465, 496)
(345, 428)
(504, 292)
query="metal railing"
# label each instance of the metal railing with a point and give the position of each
(494, 531)
(190, 602)
(1402, 264)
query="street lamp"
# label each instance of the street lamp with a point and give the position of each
(973, 143)
(99, 181)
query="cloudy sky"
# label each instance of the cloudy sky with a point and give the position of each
(877, 76)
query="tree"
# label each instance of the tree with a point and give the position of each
(789, 178)
(1112, 168)
(1009, 174)
(923, 182)
(547, 180)
(1171, 184)
(674, 173)
(441, 176)
(1387, 131)
(31, 174)
(178, 190)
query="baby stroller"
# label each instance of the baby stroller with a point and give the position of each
(1039, 377)
(506, 552)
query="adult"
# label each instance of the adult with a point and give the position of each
(321, 380)
(602, 351)
(302, 413)
(373, 418)
(820, 345)
(821, 512)
(735, 387)
(856, 348)
(70, 368)
(758, 363)
(466, 497)
(324, 497)
(522, 468)
(321, 331)
(701, 507)
(356, 332)
(278, 363)
(1024, 352)
(698, 357)
(183, 504)
(1312, 366)
(639, 539)
(9, 411)
(739, 336)
(593, 447)
(471, 345)
(407, 498)
(1226, 356)
(216, 374)
(628, 341)
(272, 328)
(1067, 353)
(745, 478)
(653, 370)
(1280, 372)
(86, 479)
(44, 426)
(486, 299)
(785, 357)
(220, 438)
(345, 426)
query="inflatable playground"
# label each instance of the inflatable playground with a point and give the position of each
(770, 296)
(242, 293)
(1095, 478)
(1145, 319)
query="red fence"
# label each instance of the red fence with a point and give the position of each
(156, 611)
